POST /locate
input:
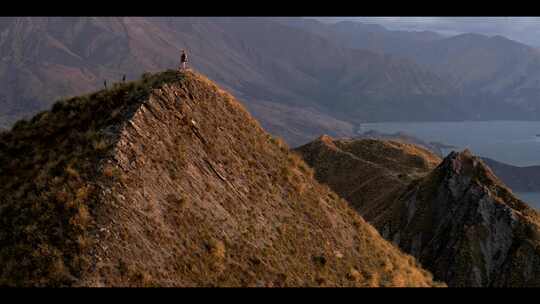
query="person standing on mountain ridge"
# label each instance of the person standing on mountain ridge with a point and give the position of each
(183, 61)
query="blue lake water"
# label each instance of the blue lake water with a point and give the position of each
(512, 142)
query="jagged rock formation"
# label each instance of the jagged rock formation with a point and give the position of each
(467, 227)
(170, 182)
(459, 220)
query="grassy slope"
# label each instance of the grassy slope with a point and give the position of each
(179, 187)
(49, 170)
(365, 172)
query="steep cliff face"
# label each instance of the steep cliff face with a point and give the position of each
(467, 227)
(170, 182)
(455, 216)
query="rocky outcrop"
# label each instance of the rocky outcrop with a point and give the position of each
(456, 217)
(465, 226)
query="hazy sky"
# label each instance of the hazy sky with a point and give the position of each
(523, 29)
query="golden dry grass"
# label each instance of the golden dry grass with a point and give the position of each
(188, 190)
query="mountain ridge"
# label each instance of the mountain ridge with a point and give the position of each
(169, 181)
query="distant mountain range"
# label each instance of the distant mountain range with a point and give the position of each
(497, 78)
(325, 78)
